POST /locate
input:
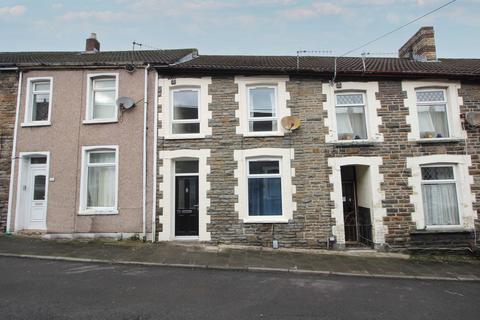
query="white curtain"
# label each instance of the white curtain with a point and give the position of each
(351, 121)
(101, 187)
(344, 126)
(433, 119)
(440, 204)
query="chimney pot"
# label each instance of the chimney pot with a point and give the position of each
(421, 46)
(92, 44)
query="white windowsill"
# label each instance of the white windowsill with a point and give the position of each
(438, 140)
(36, 124)
(264, 134)
(184, 136)
(264, 219)
(88, 212)
(100, 121)
(360, 142)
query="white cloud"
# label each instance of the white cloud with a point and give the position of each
(318, 8)
(13, 11)
(100, 16)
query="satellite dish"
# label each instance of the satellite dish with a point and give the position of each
(473, 118)
(125, 102)
(290, 123)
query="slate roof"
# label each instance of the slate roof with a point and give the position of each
(318, 65)
(76, 58)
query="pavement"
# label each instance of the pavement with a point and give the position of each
(48, 289)
(189, 255)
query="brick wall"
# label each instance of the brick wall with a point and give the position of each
(8, 96)
(312, 221)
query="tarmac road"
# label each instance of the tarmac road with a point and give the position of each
(41, 289)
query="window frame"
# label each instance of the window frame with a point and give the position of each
(90, 96)
(373, 119)
(429, 103)
(86, 151)
(465, 197)
(242, 98)
(285, 157)
(454, 101)
(164, 105)
(184, 121)
(443, 181)
(274, 110)
(365, 111)
(28, 122)
(265, 175)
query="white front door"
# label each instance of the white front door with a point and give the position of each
(36, 195)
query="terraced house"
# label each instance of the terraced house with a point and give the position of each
(313, 152)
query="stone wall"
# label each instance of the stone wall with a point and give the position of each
(312, 221)
(8, 96)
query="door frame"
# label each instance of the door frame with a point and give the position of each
(24, 173)
(174, 195)
(378, 212)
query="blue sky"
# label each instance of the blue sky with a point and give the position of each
(267, 27)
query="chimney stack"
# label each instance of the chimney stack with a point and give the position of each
(92, 44)
(421, 46)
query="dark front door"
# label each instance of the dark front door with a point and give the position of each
(349, 211)
(186, 206)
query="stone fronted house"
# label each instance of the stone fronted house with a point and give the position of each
(386, 154)
(8, 97)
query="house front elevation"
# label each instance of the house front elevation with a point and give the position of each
(303, 152)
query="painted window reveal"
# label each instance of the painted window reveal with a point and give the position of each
(264, 187)
(186, 111)
(350, 115)
(102, 98)
(432, 113)
(262, 109)
(101, 179)
(439, 194)
(40, 100)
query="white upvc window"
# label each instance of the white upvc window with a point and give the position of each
(183, 105)
(99, 184)
(439, 195)
(350, 114)
(432, 113)
(101, 98)
(441, 192)
(262, 109)
(262, 103)
(39, 101)
(185, 110)
(434, 110)
(265, 189)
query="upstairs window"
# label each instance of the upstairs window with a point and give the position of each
(432, 113)
(185, 111)
(102, 98)
(350, 114)
(262, 109)
(439, 194)
(39, 101)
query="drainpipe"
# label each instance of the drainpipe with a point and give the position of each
(144, 193)
(14, 152)
(155, 139)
